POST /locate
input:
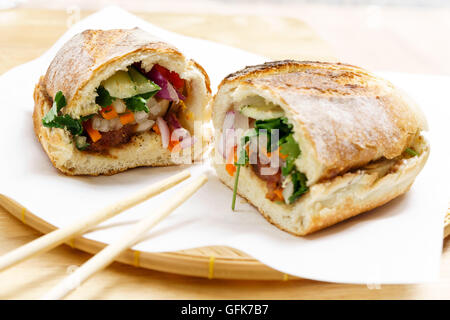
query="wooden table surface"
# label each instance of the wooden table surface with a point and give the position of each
(26, 33)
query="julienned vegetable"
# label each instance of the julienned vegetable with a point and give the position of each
(103, 99)
(127, 118)
(287, 148)
(167, 88)
(125, 103)
(109, 112)
(411, 152)
(95, 135)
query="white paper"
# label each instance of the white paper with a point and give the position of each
(397, 243)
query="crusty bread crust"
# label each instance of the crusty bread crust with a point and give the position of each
(87, 58)
(343, 116)
(334, 200)
(352, 128)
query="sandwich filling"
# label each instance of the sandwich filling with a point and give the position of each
(129, 102)
(256, 134)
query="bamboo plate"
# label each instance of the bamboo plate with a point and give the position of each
(208, 262)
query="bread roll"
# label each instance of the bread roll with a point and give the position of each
(352, 128)
(81, 66)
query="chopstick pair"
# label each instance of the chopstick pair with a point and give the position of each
(110, 252)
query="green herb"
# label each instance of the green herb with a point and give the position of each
(58, 103)
(150, 94)
(136, 103)
(85, 118)
(103, 99)
(290, 148)
(411, 152)
(300, 187)
(242, 160)
(281, 124)
(236, 180)
(53, 120)
(139, 102)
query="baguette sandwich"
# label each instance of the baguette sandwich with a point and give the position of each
(118, 99)
(332, 141)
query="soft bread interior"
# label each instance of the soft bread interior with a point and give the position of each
(84, 102)
(334, 200)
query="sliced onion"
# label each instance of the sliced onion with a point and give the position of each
(228, 122)
(96, 122)
(167, 90)
(144, 126)
(119, 106)
(172, 92)
(229, 142)
(140, 116)
(115, 124)
(221, 146)
(186, 143)
(165, 133)
(241, 121)
(180, 134)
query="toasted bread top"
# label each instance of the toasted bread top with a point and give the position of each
(96, 55)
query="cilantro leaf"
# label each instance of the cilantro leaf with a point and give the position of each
(58, 103)
(53, 120)
(150, 94)
(300, 187)
(290, 148)
(136, 103)
(103, 99)
(139, 102)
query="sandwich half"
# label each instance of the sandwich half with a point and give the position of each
(118, 99)
(310, 144)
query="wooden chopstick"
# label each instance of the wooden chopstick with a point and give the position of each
(131, 237)
(59, 236)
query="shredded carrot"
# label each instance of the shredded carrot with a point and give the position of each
(172, 145)
(108, 112)
(232, 158)
(156, 128)
(231, 169)
(126, 118)
(279, 193)
(94, 134)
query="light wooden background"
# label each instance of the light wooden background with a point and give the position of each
(25, 34)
